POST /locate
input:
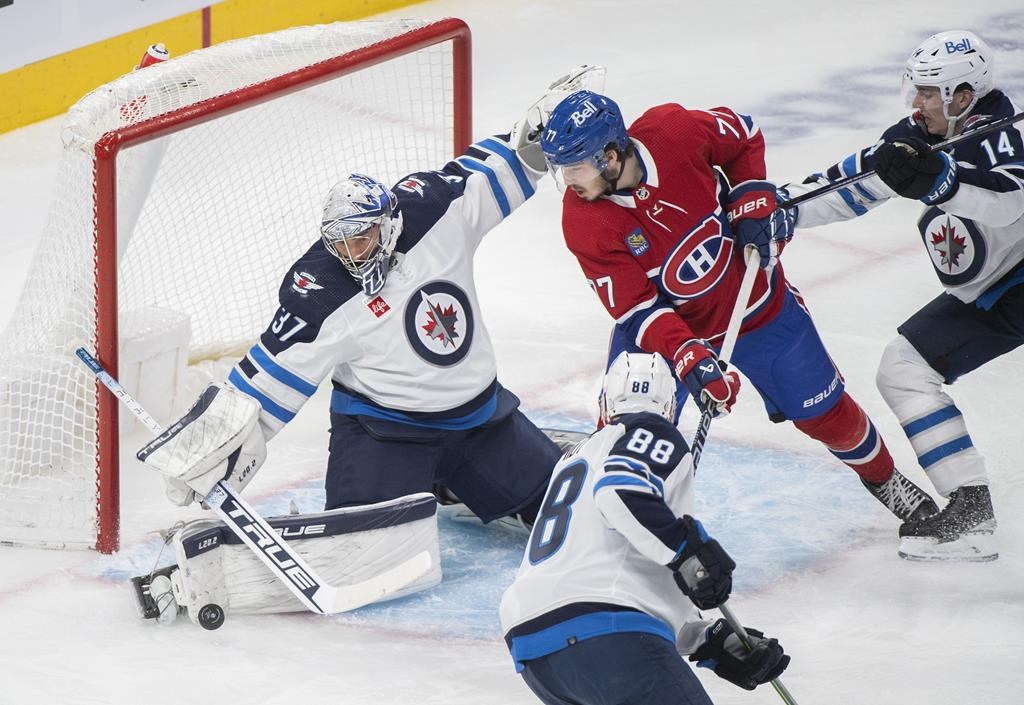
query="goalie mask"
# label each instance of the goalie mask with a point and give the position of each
(638, 382)
(945, 61)
(360, 226)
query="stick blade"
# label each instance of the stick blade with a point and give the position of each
(349, 597)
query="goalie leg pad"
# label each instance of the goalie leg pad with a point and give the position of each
(345, 546)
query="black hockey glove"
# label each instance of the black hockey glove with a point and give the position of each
(911, 170)
(703, 570)
(725, 654)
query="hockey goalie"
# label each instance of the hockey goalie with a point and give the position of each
(219, 439)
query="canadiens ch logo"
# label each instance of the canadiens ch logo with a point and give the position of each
(955, 246)
(304, 283)
(698, 262)
(439, 323)
(637, 243)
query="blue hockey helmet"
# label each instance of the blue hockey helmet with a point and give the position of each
(581, 128)
(353, 207)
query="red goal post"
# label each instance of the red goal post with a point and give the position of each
(206, 176)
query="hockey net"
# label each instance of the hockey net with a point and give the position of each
(214, 166)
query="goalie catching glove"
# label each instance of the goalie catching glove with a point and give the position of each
(219, 438)
(724, 653)
(525, 137)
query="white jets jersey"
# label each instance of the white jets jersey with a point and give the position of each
(597, 555)
(976, 238)
(418, 352)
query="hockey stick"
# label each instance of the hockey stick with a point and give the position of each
(982, 129)
(737, 627)
(254, 531)
(732, 332)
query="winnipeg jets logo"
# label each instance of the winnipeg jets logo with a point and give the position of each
(412, 185)
(439, 323)
(304, 283)
(948, 246)
(956, 247)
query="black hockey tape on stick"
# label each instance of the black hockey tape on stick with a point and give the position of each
(982, 129)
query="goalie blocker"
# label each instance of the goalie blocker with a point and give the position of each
(345, 546)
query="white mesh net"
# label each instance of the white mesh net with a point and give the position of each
(209, 219)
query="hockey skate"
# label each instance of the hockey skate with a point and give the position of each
(963, 531)
(903, 498)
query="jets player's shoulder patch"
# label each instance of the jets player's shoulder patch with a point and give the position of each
(439, 323)
(304, 282)
(317, 284)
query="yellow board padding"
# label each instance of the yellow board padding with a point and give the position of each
(231, 19)
(51, 86)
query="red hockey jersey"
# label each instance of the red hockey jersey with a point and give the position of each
(661, 257)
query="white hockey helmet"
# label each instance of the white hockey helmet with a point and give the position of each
(947, 60)
(353, 206)
(638, 382)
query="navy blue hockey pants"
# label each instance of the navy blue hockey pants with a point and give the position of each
(625, 668)
(956, 338)
(499, 468)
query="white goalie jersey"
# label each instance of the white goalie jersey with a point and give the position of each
(597, 555)
(418, 352)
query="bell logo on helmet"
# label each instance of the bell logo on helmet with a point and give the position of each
(580, 116)
(956, 47)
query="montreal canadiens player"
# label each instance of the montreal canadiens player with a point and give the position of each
(655, 216)
(600, 610)
(972, 228)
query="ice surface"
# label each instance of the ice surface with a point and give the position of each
(817, 555)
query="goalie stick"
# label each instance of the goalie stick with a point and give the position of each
(267, 544)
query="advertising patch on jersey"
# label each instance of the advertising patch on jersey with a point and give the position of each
(698, 262)
(378, 306)
(956, 247)
(412, 185)
(439, 323)
(303, 283)
(637, 243)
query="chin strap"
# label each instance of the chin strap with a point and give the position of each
(613, 184)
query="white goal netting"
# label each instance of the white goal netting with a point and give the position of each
(209, 217)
